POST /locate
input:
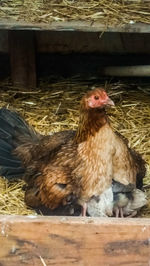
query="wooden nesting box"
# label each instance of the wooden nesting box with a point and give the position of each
(65, 240)
(114, 46)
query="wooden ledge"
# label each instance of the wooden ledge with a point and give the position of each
(87, 26)
(78, 241)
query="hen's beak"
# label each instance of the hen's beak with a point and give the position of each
(109, 102)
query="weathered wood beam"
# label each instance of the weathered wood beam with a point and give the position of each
(74, 241)
(87, 26)
(126, 71)
(22, 58)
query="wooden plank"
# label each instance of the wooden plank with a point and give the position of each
(74, 241)
(22, 58)
(109, 42)
(4, 41)
(88, 26)
(76, 41)
(66, 42)
(135, 43)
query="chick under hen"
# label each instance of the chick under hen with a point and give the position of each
(118, 200)
(68, 165)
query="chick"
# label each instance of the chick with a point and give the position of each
(101, 206)
(118, 200)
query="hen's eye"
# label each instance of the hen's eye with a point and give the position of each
(96, 97)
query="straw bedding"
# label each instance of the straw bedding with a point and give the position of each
(54, 106)
(109, 13)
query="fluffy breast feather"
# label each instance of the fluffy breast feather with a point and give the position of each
(96, 157)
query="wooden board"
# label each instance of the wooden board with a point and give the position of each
(79, 42)
(87, 42)
(74, 241)
(89, 26)
(22, 58)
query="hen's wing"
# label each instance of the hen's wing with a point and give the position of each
(54, 187)
(22, 149)
(140, 166)
(44, 148)
(128, 165)
(48, 181)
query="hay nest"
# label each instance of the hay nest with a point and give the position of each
(54, 106)
(109, 13)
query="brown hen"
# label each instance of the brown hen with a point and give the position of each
(67, 165)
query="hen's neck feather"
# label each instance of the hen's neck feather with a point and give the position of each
(90, 122)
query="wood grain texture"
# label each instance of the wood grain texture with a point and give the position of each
(74, 241)
(11, 24)
(22, 58)
(87, 42)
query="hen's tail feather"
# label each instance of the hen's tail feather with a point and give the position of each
(13, 130)
(11, 172)
(12, 124)
(4, 146)
(10, 162)
(5, 128)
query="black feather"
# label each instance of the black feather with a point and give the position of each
(12, 130)
(11, 172)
